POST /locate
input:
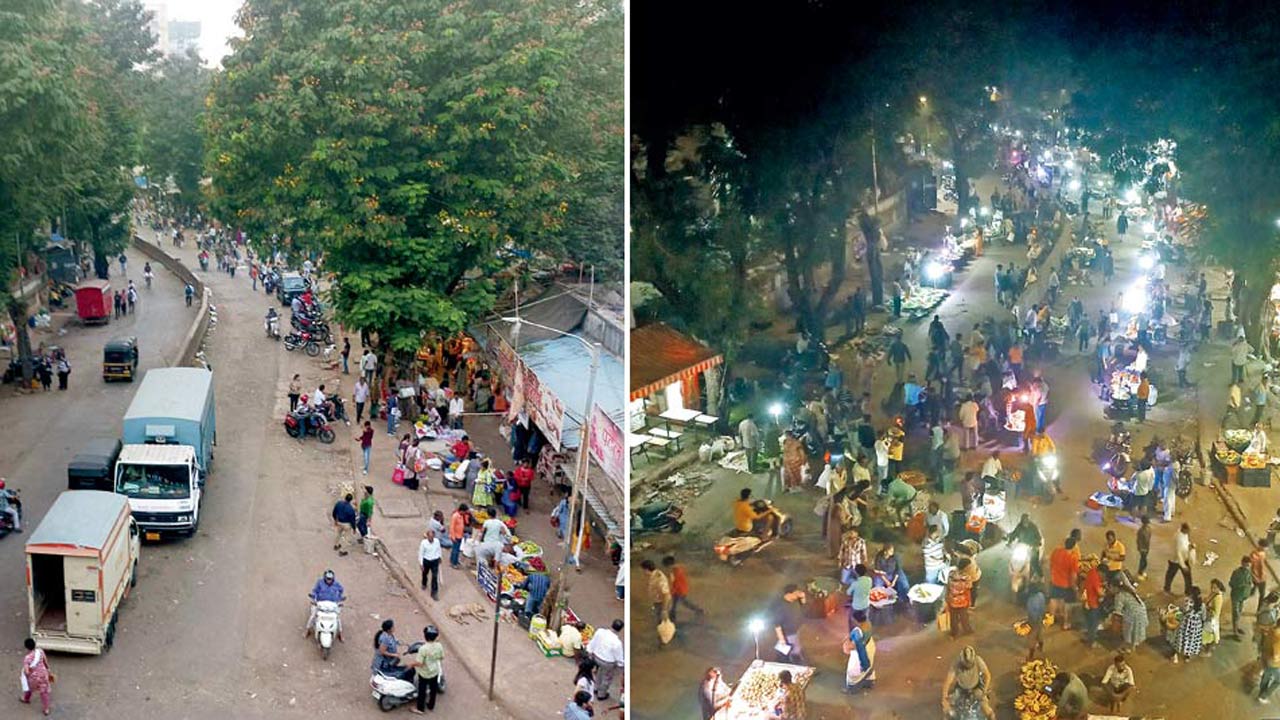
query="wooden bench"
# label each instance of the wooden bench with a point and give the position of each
(665, 435)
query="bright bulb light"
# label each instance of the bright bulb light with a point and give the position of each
(1074, 186)
(1132, 196)
(924, 100)
(1051, 462)
(775, 409)
(985, 211)
(1069, 164)
(933, 270)
(755, 625)
(1146, 262)
(1134, 300)
(1148, 227)
(1021, 553)
(964, 222)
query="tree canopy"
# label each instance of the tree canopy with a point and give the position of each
(412, 142)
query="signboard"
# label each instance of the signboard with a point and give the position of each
(607, 445)
(488, 580)
(84, 596)
(543, 406)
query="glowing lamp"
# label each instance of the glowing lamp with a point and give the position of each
(1131, 196)
(1148, 227)
(934, 270)
(984, 211)
(1134, 299)
(755, 625)
(775, 410)
(1146, 262)
(1074, 185)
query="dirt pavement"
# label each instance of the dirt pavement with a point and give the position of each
(912, 659)
(214, 627)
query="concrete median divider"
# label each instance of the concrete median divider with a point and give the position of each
(194, 337)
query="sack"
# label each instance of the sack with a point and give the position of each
(666, 630)
(944, 622)
(823, 504)
(468, 548)
(397, 475)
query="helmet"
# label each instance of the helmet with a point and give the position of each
(1, 483)
(302, 399)
(328, 575)
(430, 632)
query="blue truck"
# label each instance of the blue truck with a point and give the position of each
(169, 433)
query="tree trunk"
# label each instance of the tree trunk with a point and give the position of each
(875, 269)
(18, 314)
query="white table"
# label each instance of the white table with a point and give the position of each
(681, 415)
(706, 421)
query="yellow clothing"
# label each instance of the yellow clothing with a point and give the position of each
(744, 515)
(1113, 556)
(1042, 445)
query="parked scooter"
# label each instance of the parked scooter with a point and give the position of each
(327, 614)
(733, 549)
(305, 421)
(657, 517)
(393, 690)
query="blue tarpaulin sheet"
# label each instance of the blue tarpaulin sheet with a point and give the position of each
(563, 365)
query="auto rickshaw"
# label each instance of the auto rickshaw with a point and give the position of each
(120, 359)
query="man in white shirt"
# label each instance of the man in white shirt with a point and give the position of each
(606, 649)
(1181, 562)
(968, 414)
(456, 408)
(368, 365)
(429, 556)
(360, 395)
(749, 437)
(937, 518)
(494, 534)
(992, 466)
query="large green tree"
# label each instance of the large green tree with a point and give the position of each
(173, 138)
(410, 141)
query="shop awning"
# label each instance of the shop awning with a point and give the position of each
(661, 355)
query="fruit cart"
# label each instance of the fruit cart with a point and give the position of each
(758, 690)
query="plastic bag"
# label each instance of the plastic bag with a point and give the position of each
(666, 630)
(944, 622)
(468, 548)
(397, 475)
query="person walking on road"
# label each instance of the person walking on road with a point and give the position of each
(788, 614)
(64, 372)
(1241, 585)
(458, 523)
(36, 676)
(131, 294)
(124, 265)
(368, 365)
(679, 587)
(365, 517)
(749, 437)
(366, 444)
(360, 396)
(606, 649)
(1240, 350)
(429, 555)
(899, 355)
(1143, 545)
(346, 355)
(1183, 558)
(1258, 570)
(659, 592)
(295, 391)
(344, 520)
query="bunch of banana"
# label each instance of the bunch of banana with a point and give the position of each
(759, 688)
(1037, 674)
(1034, 705)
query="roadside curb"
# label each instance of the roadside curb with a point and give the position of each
(195, 335)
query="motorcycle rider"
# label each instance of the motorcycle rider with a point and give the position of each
(273, 322)
(1042, 448)
(326, 588)
(747, 520)
(968, 681)
(10, 505)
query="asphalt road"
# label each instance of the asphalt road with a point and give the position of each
(214, 627)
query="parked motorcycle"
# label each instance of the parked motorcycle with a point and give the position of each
(393, 690)
(305, 421)
(327, 614)
(733, 549)
(305, 340)
(657, 517)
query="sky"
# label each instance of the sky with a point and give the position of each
(217, 23)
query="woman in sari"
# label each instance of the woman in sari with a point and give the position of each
(1133, 617)
(482, 496)
(794, 458)
(1213, 616)
(36, 677)
(860, 673)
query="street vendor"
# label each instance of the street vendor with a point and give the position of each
(1259, 443)
(968, 681)
(900, 496)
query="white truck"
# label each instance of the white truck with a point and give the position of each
(82, 561)
(169, 432)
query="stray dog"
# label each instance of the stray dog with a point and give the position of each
(461, 614)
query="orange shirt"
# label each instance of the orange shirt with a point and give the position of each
(1063, 568)
(679, 581)
(1015, 354)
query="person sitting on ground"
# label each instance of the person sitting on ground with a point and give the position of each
(968, 681)
(1118, 682)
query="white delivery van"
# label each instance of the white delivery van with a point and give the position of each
(82, 561)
